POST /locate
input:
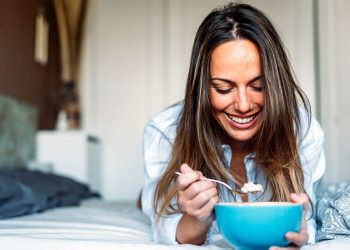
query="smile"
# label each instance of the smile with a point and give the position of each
(242, 120)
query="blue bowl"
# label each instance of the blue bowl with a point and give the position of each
(257, 225)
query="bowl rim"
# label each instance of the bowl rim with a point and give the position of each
(259, 204)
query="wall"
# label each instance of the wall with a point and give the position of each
(334, 54)
(20, 76)
(294, 21)
(114, 84)
(136, 55)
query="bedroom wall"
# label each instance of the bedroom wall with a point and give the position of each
(20, 75)
(136, 55)
(334, 54)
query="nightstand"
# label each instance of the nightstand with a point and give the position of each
(72, 153)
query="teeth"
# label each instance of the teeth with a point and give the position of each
(240, 120)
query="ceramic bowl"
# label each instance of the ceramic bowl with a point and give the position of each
(257, 225)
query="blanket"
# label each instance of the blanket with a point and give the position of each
(333, 212)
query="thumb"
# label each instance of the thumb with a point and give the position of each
(185, 168)
(301, 198)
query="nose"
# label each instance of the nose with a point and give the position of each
(243, 103)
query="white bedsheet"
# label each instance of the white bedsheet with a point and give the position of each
(96, 225)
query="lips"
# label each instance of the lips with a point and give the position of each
(242, 120)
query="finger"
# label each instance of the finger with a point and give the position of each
(302, 237)
(195, 188)
(202, 198)
(284, 248)
(205, 213)
(302, 199)
(184, 168)
(298, 239)
(187, 178)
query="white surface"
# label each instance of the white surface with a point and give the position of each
(135, 61)
(115, 91)
(71, 153)
(334, 39)
(97, 225)
(293, 20)
(339, 244)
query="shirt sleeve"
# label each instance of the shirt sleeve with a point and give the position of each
(157, 148)
(313, 162)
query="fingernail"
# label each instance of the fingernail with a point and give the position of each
(289, 236)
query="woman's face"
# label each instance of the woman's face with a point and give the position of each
(237, 91)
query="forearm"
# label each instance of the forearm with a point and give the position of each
(191, 230)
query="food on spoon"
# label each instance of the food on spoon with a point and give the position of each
(251, 187)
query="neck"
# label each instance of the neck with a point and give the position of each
(242, 148)
(239, 147)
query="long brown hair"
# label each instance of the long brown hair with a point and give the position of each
(198, 139)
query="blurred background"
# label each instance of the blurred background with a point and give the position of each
(89, 74)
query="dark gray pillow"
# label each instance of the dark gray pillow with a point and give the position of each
(16, 199)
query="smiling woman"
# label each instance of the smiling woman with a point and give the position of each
(236, 93)
(243, 119)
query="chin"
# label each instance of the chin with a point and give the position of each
(242, 137)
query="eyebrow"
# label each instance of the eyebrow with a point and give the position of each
(233, 82)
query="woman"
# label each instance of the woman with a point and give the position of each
(243, 119)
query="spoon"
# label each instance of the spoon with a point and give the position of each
(239, 192)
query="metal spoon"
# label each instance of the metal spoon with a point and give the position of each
(236, 191)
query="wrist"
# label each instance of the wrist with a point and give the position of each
(209, 220)
(192, 230)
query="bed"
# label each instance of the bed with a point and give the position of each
(66, 219)
(97, 224)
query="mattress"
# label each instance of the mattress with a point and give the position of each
(97, 224)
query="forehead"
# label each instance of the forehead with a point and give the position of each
(235, 59)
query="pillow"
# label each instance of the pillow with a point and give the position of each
(18, 125)
(16, 199)
(333, 211)
(26, 192)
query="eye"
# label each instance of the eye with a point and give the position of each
(257, 85)
(258, 88)
(223, 91)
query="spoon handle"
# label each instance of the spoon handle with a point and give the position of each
(207, 179)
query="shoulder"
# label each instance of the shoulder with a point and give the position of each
(311, 148)
(168, 116)
(165, 122)
(311, 132)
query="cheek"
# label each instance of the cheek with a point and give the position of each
(219, 102)
(259, 99)
(262, 100)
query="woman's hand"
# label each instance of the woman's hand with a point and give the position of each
(197, 199)
(301, 238)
